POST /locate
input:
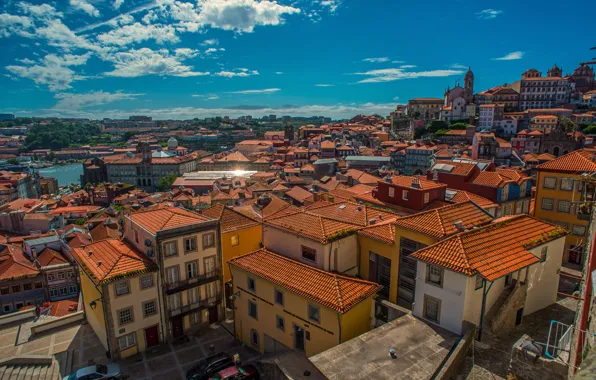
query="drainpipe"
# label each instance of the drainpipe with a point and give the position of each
(339, 325)
(484, 293)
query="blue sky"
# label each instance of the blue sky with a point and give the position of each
(185, 59)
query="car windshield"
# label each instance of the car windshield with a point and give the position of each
(101, 369)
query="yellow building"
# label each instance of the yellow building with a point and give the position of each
(280, 303)
(239, 235)
(385, 248)
(120, 295)
(559, 196)
(185, 246)
(544, 123)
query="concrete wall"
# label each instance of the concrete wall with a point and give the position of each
(525, 368)
(17, 316)
(543, 278)
(451, 367)
(68, 319)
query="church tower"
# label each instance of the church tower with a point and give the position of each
(555, 71)
(469, 86)
(289, 132)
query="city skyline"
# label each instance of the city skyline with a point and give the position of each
(175, 59)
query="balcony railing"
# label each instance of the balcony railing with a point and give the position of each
(200, 279)
(197, 306)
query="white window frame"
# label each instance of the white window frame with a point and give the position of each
(404, 195)
(122, 312)
(391, 192)
(144, 283)
(435, 271)
(568, 203)
(170, 248)
(573, 230)
(127, 341)
(554, 186)
(190, 245)
(552, 204)
(569, 186)
(122, 285)
(148, 304)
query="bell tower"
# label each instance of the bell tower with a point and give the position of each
(469, 86)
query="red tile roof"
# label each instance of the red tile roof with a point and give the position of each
(111, 259)
(440, 222)
(299, 194)
(14, 264)
(49, 257)
(363, 177)
(464, 196)
(575, 162)
(336, 292)
(165, 218)
(229, 219)
(492, 251)
(311, 226)
(405, 181)
(353, 213)
(383, 232)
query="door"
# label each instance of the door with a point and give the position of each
(177, 327)
(151, 336)
(519, 316)
(508, 280)
(298, 338)
(213, 318)
(575, 254)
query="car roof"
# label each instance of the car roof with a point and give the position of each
(228, 372)
(86, 371)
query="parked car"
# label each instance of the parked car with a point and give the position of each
(210, 366)
(247, 372)
(94, 372)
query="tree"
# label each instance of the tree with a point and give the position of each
(165, 183)
(460, 126)
(51, 156)
(416, 114)
(567, 125)
(13, 161)
(591, 130)
(436, 125)
(81, 222)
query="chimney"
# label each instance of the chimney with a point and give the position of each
(459, 226)
(372, 221)
(89, 253)
(98, 263)
(358, 208)
(415, 182)
(380, 217)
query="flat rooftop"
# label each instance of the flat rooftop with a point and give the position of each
(421, 349)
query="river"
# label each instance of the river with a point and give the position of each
(65, 175)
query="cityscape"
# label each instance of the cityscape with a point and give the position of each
(179, 200)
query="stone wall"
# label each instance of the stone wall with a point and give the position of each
(456, 357)
(504, 319)
(525, 368)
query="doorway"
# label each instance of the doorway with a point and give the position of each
(519, 316)
(575, 254)
(298, 338)
(177, 327)
(151, 338)
(213, 317)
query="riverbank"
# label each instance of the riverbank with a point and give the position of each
(65, 174)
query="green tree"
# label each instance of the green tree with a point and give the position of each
(51, 156)
(459, 126)
(590, 130)
(13, 161)
(165, 183)
(436, 125)
(81, 222)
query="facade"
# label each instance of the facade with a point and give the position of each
(186, 249)
(537, 91)
(415, 159)
(21, 282)
(504, 95)
(460, 279)
(486, 146)
(544, 123)
(27, 184)
(281, 304)
(559, 196)
(490, 114)
(412, 193)
(428, 108)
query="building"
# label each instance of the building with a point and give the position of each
(504, 95)
(415, 159)
(458, 100)
(281, 304)
(61, 275)
(21, 282)
(461, 278)
(186, 248)
(27, 184)
(583, 78)
(367, 162)
(559, 197)
(411, 193)
(537, 91)
(486, 146)
(425, 108)
(490, 114)
(121, 298)
(544, 123)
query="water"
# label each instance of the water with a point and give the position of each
(65, 175)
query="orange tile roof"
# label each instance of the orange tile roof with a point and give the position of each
(111, 259)
(383, 232)
(353, 213)
(464, 196)
(14, 264)
(363, 177)
(459, 168)
(234, 157)
(229, 220)
(361, 188)
(336, 292)
(49, 257)
(297, 193)
(492, 179)
(165, 218)
(311, 226)
(425, 184)
(492, 251)
(440, 222)
(575, 162)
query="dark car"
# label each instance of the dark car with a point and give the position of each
(210, 366)
(247, 372)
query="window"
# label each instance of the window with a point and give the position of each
(146, 281)
(547, 204)
(174, 302)
(4, 290)
(578, 230)
(404, 195)
(566, 184)
(235, 240)
(564, 206)
(51, 277)
(479, 282)
(192, 270)
(279, 297)
(314, 313)
(127, 341)
(280, 323)
(27, 286)
(195, 317)
(505, 193)
(72, 289)
(391, 192)
(173, 275)
(432, 308)
(309, 253)
(434, 275)
(254, 338)
(170, 249)
(208, 240)
(252, 285)
(543, 253)
(518, 208)
(426, 197)
(149, 308)
(125, 316)
(252, 310)
(16, 288)
(61, 276)
(7, 308)
(136, 236)
(53, 292)
(190, 245)
(122, 288)
(550, 183)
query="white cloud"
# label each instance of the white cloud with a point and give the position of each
(407, 66)
(59, 35)
(511, 56)
(457, 66)
(211, 42)
(389, 75)
(137, 32)
(70, 101)
(324, 85)
(43, 11)
(376, 59)
(331, 5)
(396, 98)
(241, 15)
(236, 73)
(211, 50)
(264, 91)
(398, 62)
(206, 96)
(488, 14)
(11, 24)
(52, 71)
(117, 4)
(144, 61)
(279, 72)
(85, 7)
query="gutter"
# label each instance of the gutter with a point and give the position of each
(483, 311)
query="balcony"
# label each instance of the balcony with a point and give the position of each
(171, 288)
(193, 307)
